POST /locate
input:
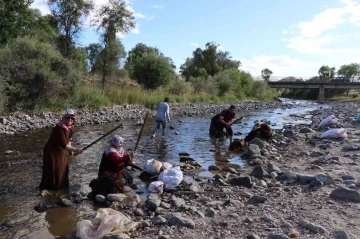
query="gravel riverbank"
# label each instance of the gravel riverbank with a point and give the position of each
(21, 122)
(302, 187)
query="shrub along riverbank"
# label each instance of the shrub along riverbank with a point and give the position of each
(92, 96)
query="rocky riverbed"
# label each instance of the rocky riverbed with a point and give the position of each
(22, 122)
(295, 185)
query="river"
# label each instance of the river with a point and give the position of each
(19, 180)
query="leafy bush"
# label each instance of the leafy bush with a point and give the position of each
(152, 71)
(36, 73)
(179, 87)
(203, 85)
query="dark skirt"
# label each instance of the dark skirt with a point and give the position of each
(111, 182)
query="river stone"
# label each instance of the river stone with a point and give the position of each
(210, 212)
(348, 177)
(116, 197)
(304, 179)
(184, 159)
(350, 147)
(66, 202)
(311, 227)
(291, 175)
(345, 193)
(253, 236)
(341, 235)
(241, 181)
(177, 202)
(316, 183)
(184, 154)
(100, 198)
(177, 220)
(259, 172)
(153, 204)
(41, 207)
(271, 167)
(213, 168)
(256, 199)
(326, 179)
(305, 130)
(158, 220)
(258, 142)
(252, 150)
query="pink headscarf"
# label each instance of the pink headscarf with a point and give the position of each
(115, 145)
(63, 123)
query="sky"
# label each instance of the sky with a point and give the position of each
(291, 38)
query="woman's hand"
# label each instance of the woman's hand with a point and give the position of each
(132, 155)
(78, 151)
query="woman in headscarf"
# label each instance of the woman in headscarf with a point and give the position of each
(55, 174)
(111, 177)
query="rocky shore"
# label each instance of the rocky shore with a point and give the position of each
(296, 185)
(22, 122)
(300, 186)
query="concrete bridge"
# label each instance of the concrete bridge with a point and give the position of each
(315, 85)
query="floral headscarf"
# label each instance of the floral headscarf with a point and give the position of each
(63, 123)
(115, 145)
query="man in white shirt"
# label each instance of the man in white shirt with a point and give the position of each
(161, 115)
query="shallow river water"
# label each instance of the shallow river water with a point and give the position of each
(20, 173)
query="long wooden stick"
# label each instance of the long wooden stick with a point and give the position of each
(88, 146)
(141, 131)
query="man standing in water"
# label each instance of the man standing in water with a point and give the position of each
(161, 115)
(221, 121)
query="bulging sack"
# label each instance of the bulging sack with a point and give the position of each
(328, 120)
(156, 187)
(171, 177)
(334, 133)
(152, 166)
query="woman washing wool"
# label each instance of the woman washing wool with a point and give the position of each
(55, 174)
(112, 174)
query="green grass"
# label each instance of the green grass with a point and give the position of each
(92, 96)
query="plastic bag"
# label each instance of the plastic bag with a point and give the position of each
(156, 187)
(328, 120)
(106, 221)
(153, 166)
(334, 133)
(166, 166)
(171, 177)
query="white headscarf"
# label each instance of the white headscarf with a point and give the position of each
(115, 145)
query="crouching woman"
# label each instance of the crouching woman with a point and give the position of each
(112, 175)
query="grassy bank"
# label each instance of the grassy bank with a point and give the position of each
(92, 96)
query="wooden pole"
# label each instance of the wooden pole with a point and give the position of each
(141, 131)
(88, 146)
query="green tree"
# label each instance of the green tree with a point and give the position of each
(265, 74)
(207, 62)
(114, 17)
(140, 50)
(326, 73)
(235, 81)
(43, 28)
(93, 51)
(107, 62)
(35, 73)
(350, 71)
(153, 71)
(14, 16)
(69, 15)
